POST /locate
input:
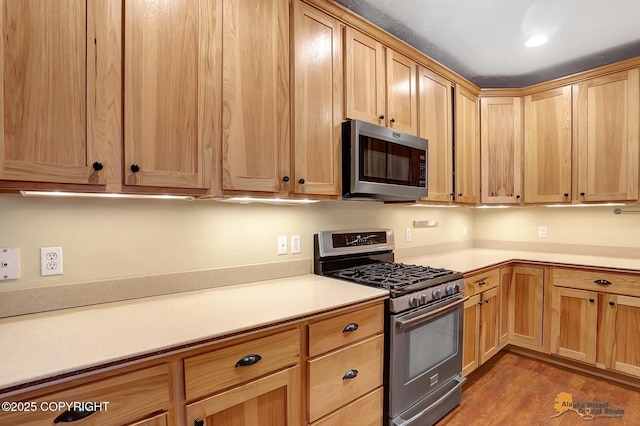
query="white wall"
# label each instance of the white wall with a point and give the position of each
(107, 238)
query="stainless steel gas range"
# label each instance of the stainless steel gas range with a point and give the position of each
(423, 325)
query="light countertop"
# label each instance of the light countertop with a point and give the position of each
(43, 345)
(470, 260)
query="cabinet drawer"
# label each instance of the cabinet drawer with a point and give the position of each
(330, 334)
(478, 283)
(623, 284)
(329, 389)
(131, 397)
(365, 411)
(205, 374)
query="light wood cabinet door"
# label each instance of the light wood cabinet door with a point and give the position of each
(619, 333)
(365, 78)
(255, 96)
(56, 109)
(526, 306)
(170, 118)
(317, 102)
(489, 324)
(607, 137)
(467, 148)
(470, 335)
(574, 322)
(547, 146)
(273, 400)
(501, 150)
(434, 124)
(402, 96)
(505, 281)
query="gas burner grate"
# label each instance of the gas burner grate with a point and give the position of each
(392, 276)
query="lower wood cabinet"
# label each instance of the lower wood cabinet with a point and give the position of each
(590, 323)
(273, 400)
(526, 307)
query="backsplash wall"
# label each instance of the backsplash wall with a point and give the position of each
(115, 238)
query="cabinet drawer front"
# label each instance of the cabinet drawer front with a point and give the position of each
(623, 284)
(130, 397)
(365, 411)
(330, 334)
(476, 284)
(205, 374)
(329, 389)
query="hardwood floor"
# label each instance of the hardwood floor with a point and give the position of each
(513, 389)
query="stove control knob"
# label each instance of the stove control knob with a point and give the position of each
(423, 299)
(414, 302)
(456, 286)
(436, 293)
(449, 290)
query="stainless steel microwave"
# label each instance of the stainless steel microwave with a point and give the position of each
(378, 162)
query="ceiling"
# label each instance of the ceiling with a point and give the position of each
(484, 40)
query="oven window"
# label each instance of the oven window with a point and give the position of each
(388, 162)
(430, 343)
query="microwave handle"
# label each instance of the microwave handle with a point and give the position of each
(421, 318)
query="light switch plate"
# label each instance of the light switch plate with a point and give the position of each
(282, 244)
(9, 263)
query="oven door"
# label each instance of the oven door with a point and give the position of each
(425, 352)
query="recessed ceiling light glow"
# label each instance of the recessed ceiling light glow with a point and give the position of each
(537, 40)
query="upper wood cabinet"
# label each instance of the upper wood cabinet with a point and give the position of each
(55, 109)
(170, 115)
(317, 111)
(466, 148)
(547, 146)
(380, 84)
(434, 124)
(255, 96)
(607, 132)
(501, 150)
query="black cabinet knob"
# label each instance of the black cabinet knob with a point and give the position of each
(198, 422)
(582, 194)
(285, 179)
(611, 303)
(566, 194)
(393, 120)
(301, 181)
(97, 166)
(135, 168)
(460, 195)
(591, 300)
(381, 116)
(518, 197)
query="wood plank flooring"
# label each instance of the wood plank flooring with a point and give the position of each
(513, 389)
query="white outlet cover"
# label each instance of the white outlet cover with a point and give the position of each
(282, 244)
(9, 263)
(50, 261)
(407, 234)
(295, 244)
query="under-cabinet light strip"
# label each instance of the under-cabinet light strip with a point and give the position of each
(104, 195)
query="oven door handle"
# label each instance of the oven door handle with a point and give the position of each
(421, 318)
(440, 400)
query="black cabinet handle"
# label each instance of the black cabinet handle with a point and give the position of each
(612, 304)
(285, 179)
(482, 282)
(73, 415)
(582, 194)
(602, 282)
(393, 120)
(135, 168)
(301, 181)
(248, 360)
(97, 166)
(198, 422)
(591, 300)
(351, 374)
(381, 117)
(350, 327)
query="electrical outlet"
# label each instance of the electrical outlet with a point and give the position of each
(295, 244)
(407, 234)
(542, 232)
(282, 244)
(9, 263)
(50, 261)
